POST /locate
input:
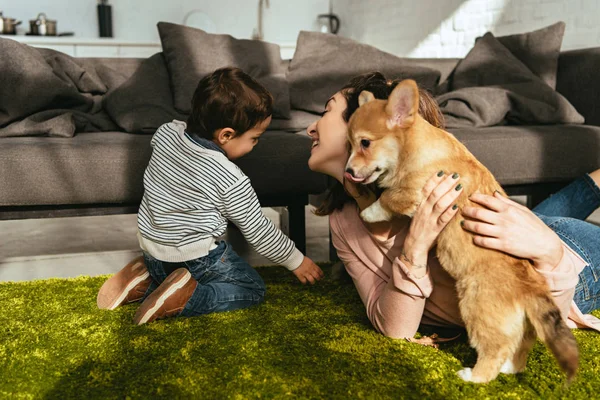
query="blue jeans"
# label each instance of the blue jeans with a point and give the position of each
(225, 281)
(564, 212)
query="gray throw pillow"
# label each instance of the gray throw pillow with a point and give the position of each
(323, 63)
(191, 54)
(144, 102)
(492, 87)
(538, 50)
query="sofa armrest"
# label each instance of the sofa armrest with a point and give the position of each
(578, 80)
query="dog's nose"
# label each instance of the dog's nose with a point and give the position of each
(350, 171)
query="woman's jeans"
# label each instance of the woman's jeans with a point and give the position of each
(225, 281)
(564, 212)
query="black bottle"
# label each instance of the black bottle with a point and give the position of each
(105, 18)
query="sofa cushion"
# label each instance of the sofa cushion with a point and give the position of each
(519, 155)
(192, 54)
(490, 86)
(108, 167)
(324, 63)
(144, 102)
(579, 81)
(538, 50)
(43, 91)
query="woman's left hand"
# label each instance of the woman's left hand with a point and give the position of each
(507, 226)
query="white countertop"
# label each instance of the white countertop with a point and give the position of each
(74, 40)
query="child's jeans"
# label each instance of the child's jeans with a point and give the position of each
(564, 213)
(225, 281)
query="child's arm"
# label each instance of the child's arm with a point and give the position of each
(240, 206)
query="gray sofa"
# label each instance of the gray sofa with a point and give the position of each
(99, 173)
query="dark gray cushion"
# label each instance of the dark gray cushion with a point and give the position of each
(108, 167)
(125, 66)
(534, 154)
(579, 81)
(490, 86)
(538, 50)
(323, 63)
(45, 92)
(144, 102)
(192, 54)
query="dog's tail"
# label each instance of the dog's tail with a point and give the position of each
(553, 331)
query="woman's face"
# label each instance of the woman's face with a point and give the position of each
(329, 151)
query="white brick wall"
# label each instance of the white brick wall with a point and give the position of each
(448, 28)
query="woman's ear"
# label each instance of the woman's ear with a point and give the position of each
(364, 97)
(403, 104)
(224, 135)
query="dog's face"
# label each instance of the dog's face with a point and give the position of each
(376, 132)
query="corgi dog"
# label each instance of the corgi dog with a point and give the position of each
(504, 303)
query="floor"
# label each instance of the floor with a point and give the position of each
(69, 247)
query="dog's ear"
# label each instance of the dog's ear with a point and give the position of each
(364, 97)
(403, 104)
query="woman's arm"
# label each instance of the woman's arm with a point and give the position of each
(396, 307)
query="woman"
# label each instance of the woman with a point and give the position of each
(393, 264)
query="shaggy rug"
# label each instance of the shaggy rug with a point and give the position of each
(302, 342)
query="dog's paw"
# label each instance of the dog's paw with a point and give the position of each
(368, 216)
(508, 367)
(466, 374)
(375, 213)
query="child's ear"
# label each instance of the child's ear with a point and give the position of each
(403, 104)
(224, 135)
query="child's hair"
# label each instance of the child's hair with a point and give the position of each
(336, 197)
(228, 98)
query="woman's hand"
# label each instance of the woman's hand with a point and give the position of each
(431, 217)
(507, 226)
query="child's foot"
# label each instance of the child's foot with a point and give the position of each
(126, 286)
(168, 299)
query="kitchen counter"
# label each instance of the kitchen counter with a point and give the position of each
(90, 47)
(74, 40)
(109, 47)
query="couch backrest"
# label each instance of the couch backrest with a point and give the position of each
(577, 77)
(444, 65)
(578, 80)
(127, 66)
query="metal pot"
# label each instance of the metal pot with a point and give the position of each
(42, 26)
(8, 26)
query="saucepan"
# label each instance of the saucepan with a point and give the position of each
(8, 26)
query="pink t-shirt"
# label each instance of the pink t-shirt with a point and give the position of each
(397, 302)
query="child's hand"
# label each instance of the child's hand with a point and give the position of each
(308, 271)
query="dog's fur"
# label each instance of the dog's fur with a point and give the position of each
(503, 301)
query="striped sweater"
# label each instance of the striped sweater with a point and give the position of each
(190, 192)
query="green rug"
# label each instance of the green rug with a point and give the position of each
(303, 342)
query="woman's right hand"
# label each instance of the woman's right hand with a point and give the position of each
(431, 217)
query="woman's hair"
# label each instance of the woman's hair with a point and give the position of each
(335, 196)
(228, 98)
